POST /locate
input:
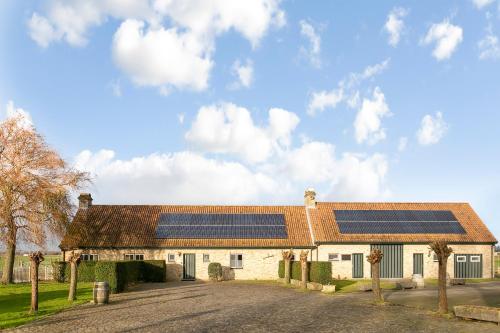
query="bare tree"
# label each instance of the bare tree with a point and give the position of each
(303, 264)
(74, 260)
(35, 185)
(35, 258)
(443, 251)
(374, 259)
(287, 257)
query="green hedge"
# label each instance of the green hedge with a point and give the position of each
(319, 271)
(215, 271)
(117, 273)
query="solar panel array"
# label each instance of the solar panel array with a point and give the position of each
(213, 226)
(397, 222)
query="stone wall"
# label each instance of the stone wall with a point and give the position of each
(259, 264)
(343, 269)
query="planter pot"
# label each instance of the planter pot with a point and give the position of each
(328, 288)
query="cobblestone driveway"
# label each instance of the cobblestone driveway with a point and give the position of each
(241, 307)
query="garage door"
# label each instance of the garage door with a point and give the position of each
(468, 266)
(391, 266)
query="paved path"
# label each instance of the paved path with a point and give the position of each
(245, 307)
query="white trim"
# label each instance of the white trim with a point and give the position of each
(461, 258)
(334, 254)
(475, 258)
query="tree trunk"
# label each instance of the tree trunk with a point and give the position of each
(74, 279)
(10, 256)
(287, 271)
(442, 297)
(34, 286)
(303, 283)
(376, 282)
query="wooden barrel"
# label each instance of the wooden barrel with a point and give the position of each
(101, 292)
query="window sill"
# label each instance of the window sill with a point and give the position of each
(236, 267)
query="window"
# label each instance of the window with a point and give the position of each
(206, 257)
(292, 258)
(462, 258)
(333, 257)
(475, 258)
(134, 257)
(90, 257)
(346, 257)
(236, 261)
(435, 257)
(171, 257)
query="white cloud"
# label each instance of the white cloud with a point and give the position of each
(157, 57)
(432, 129)
(182, 177)
(11, 111)
(243, 74)
(161, 43)
(395, 25)
(180, 118)
(480, 4)
(403, 143)
(368, 122)
(314, 49)
(324, 99)
(228, 128)
(346, 90)
(489, 47)
(312, 162)
(446, 36)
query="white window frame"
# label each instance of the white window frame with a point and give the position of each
(134, 257)
(347, 254)
(461, 258)
(90, 257)
(171, 257)
(333, 257)
(475, 258)
(236, 263)
(206, 257)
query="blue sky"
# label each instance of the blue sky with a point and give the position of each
(217, 102)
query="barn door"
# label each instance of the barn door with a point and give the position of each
(391, 266)
(468, 266)
(418, 263)
(188, 266)
(357, 265)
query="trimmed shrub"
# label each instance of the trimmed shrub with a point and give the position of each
(215, 271)
(86, 271)
(154, 271)
(108, 271)
(59, 271)
(318, 271)
(321, 272)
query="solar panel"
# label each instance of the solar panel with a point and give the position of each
(212, 226)
(397, 222)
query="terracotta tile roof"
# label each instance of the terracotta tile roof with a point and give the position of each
(326, 229)
(114, 226)
(135, 226)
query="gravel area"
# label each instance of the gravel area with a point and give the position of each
(245, 307)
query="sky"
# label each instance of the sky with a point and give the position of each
(228, 102)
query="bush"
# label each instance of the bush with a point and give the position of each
(86, 271)
(59, 271)
(215, 271)
(154, 271)
(318, 271)
(108, 271)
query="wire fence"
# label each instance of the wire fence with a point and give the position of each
(23, 273)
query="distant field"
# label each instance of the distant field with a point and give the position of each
(22, 260)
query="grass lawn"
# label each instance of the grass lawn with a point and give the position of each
(348, 286)
(15, 301)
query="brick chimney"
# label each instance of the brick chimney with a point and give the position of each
(310, 198)
(85, 200)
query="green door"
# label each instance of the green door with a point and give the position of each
(357, 265)
(391, 266)
(188, 267)
(418, 263)
(468, 266)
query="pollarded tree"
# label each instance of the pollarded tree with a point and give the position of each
(374, 259)
(35, 259)
(74, 260)
(287, 258)
(442, 251)
(35, 185)
(303, 265)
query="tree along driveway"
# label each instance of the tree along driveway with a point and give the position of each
(245, 307)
